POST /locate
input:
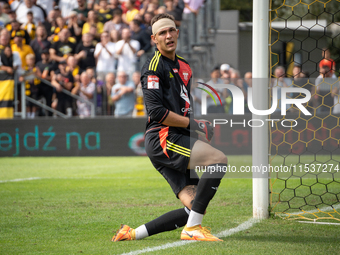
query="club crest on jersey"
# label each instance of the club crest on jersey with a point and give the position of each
(153, 82)
(186, 76)
(175, 70)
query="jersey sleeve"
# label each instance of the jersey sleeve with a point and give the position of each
(152, 86)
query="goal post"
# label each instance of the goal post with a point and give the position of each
(260, 136)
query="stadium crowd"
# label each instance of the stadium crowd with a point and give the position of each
(95, 49)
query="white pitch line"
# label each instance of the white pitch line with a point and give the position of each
(21, 180)
(244, 226)
(42, 178)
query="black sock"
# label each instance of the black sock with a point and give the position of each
(169, 221)
(207, 187)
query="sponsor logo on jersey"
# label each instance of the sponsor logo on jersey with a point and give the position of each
(186, 109)
(153, 82)
(171, 76)
(184, 94)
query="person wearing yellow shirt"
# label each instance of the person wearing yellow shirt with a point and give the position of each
(22, 49)
(92, 20)
(131, 11)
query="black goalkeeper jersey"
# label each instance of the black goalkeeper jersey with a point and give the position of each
(166, 87)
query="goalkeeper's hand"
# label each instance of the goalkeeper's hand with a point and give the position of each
(203, 128)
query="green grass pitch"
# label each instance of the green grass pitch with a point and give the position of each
(76, 204)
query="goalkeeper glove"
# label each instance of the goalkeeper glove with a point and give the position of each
(203, 128)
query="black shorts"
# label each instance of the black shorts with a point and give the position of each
(170, 154)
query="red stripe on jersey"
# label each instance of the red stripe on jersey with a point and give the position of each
(163, 134)
(184, 72)
(164, 116)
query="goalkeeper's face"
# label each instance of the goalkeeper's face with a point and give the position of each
(166, 39)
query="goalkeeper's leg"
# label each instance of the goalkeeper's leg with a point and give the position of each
(167, 222)
(204, 155)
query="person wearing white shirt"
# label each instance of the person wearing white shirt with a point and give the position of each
(46, 4)
(126, 50)
(104, 53)
(26, 6)
(67, 6)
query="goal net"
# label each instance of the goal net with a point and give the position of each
(305, 45)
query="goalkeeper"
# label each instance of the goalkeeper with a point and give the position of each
(171, 141)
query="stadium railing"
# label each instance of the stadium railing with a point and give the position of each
(36, 102)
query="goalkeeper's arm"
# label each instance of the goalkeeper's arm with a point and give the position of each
(202, 127)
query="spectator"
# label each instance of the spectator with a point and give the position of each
(22, 49)
(85, 52)
(82, 11)
(9, 62)
(141, 36)
(147, 21)
(161, 9)
(225, 73)
(92, 20)
(144, 7)
(215, 79)
(116, 23)
(139, 110)
(4, 18)
(280, 81)
(32, 85)
(110, 81)
(93, 32)
(105, 55)
(12, 16)
(323, 85)
(173, 8)
(327, 60)
(47, 5)
(15, 27)
(4, 39)
(153, 7)
(6, 8)
(336, 98)
(235, 79)
(75, 26)
(72, 66)
(64, 47)
(86, 91)
(104, 13)
(61, 79)
(66, 6)
(26, 6)
(122, 95)
(114, 5)
(114, 36)
(40, 43)
(60, 25)
(136, 4)
(192, 6)
(131, 11)
(30, 27)
(247, 83)
(46, 66)
(50, 22)
(126, 50)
